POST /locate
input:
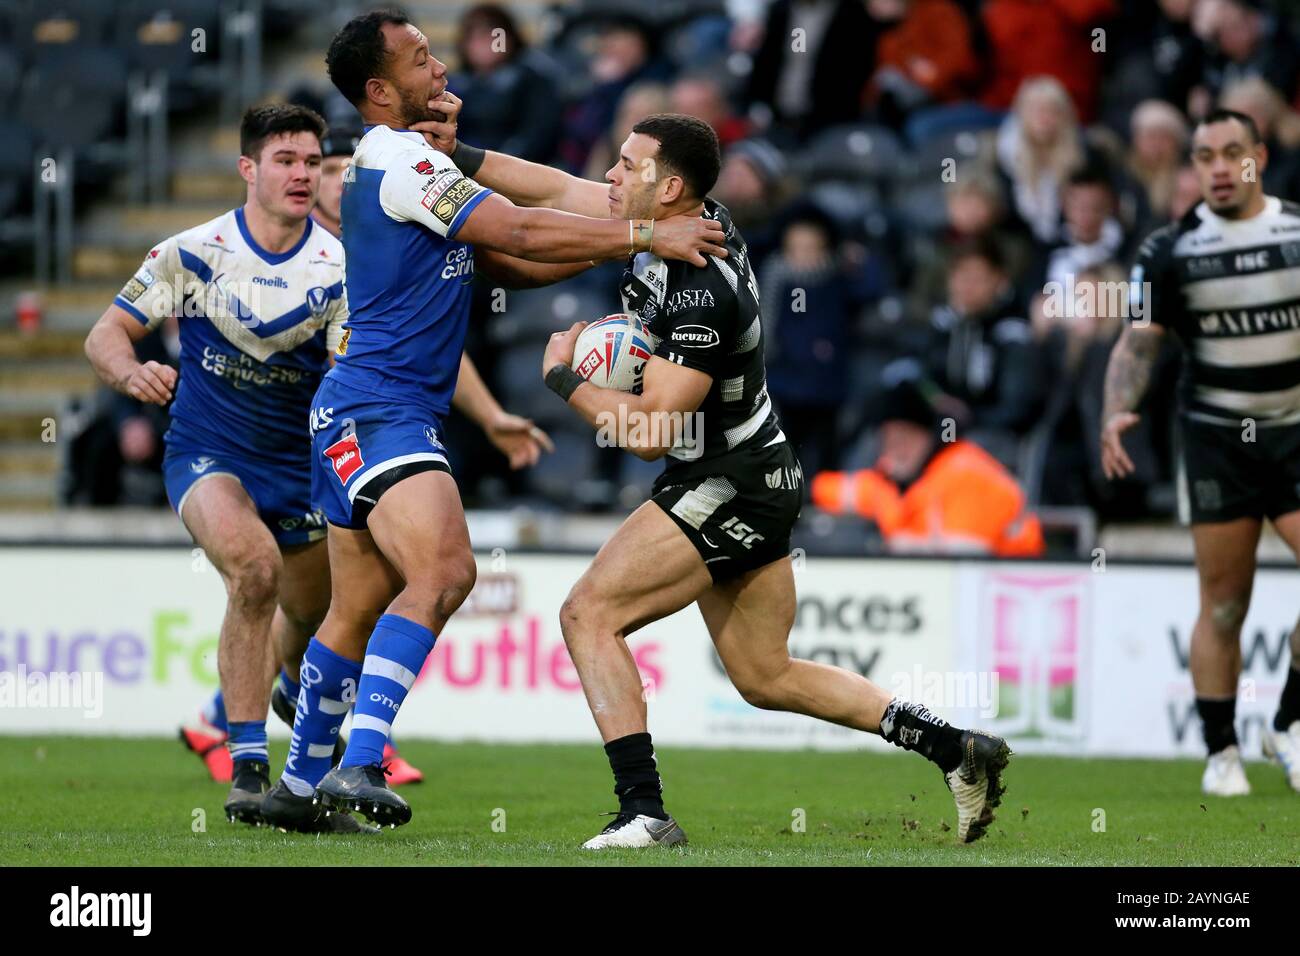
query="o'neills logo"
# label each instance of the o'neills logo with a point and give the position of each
(133, 910)
(345, 456)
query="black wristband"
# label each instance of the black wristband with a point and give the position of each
(468, 158)
(563, 381)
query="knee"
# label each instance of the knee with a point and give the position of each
(580, 614)
(255, 579)
(446, 589)
(305, 617)
(1226, 614)
(761, 689)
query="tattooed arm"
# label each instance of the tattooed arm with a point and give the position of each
(1127, 376)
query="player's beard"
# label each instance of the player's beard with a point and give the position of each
(416, 109)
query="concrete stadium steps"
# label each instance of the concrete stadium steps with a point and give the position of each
(40, 374)
(114, 240)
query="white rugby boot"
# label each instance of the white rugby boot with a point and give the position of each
(1224, 774)
(976, 784)
(626, 830)
(1283, 748)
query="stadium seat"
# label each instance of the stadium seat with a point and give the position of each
(51, 29)
(921, 206)
(854, 152)
(965, 146)
(11, 73)
(89, 84)
(16, 168)
(159, 35)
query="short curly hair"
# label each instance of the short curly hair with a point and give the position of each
(357, 53)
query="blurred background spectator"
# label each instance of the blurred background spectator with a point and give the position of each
(511, 86)
(913, 177)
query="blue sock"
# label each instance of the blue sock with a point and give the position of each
(291, 686)
(248, 740)
(214, 712)
(320, 713)
(394, 656)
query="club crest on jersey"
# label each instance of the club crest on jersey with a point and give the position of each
(431, 434)
(345, 456)
(318, 299)
(202, 463)
(424, 167)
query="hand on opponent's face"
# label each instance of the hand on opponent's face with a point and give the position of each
(441, 134)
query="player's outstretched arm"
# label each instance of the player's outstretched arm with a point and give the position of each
(548, 235)
(522, 182)
(517, 438)
(110, 346)
(1128, 373)
(654, 419)
(515, 273)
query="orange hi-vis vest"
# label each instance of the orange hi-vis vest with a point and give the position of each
(965, 502)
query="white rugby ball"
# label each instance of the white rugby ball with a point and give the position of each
(612, 352)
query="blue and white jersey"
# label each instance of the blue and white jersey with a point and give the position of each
(408, 279)
(256, 331)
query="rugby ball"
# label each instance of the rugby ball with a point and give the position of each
(612, 352)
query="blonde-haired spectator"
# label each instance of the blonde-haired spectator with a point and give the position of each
(1039, 145)
(1159, 135)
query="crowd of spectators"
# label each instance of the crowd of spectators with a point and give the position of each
(934, 178)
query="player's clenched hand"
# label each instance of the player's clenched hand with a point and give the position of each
(559, 350)
(441, 134)
(1115, 462)
(151, 382)
(689, 238)
(521, 441)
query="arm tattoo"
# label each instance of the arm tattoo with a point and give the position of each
(1129, 370)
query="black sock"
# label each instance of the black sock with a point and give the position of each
(636, 779)
(1288, 708)
(1217, 717)
(912, 727)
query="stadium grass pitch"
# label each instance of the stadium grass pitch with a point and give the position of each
(115, 801)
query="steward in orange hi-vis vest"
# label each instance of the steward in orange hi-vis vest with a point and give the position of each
(928, 496)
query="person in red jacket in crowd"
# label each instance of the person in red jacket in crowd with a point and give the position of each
(924, 56)
(929, 495)
(1029, 38)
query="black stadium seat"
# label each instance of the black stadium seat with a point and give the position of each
(11, 73)
(159, 35)
(16, 166)
(47, 28)
(855, 152)
(76, 99)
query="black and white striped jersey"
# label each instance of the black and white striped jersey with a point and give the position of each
(708, 319)
(1230, 289)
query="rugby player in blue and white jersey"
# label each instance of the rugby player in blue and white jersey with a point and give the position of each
(259, 294)
(415, 230)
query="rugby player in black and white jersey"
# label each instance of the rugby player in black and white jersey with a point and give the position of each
(1225, 279)
(716, 531)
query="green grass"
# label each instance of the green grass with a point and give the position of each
(114, 801)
